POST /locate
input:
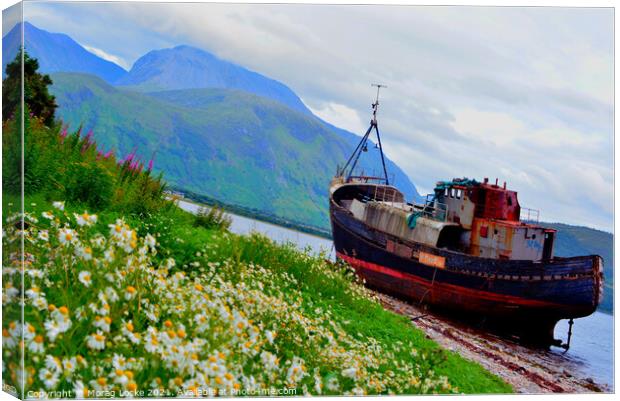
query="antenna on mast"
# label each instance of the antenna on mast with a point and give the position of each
(362, 146)
(375, 105)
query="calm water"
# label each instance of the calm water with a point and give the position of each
(591, 351)
(245, 225)
(591, 346)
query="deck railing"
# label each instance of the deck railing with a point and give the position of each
(528, 214)
(434, 209)
(371, 176)
(387, 194)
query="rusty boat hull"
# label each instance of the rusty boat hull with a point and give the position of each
(522, 297)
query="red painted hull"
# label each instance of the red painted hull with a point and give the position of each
(437, 293)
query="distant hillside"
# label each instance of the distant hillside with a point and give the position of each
(185, 67)
(56, 52)
(576, 240)
(180, 68)
(227, 144)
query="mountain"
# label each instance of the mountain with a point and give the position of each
(185, 67)
(577, 240)
(228, 144)
(181, 67)
(56, 52)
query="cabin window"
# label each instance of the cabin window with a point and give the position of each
(484, 231)
(510, 201)
(452, 193)
(458, 193)
(447, 192)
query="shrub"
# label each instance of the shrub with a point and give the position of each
(89, 183)
(213, 217)
(70, 165)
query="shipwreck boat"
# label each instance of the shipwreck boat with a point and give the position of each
(465, 248)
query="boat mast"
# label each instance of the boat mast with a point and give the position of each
(362, 145)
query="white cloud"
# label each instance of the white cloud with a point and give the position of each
(107, 56)
(525, 93)
(341, 116)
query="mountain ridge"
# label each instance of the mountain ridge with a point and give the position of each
(56, 52)
(188, 67)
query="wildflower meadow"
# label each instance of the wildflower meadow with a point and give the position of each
(104, 315)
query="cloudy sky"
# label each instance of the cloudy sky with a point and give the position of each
(521, 94)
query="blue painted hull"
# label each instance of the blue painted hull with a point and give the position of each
(526, 297)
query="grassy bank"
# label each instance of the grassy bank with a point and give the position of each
(258, 310)
(128, 295)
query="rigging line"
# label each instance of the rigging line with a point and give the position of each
(357, 148)
(387, 182)
(430, 288)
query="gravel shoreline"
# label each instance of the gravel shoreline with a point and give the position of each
(527, 370)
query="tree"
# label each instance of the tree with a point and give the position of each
(36, 95)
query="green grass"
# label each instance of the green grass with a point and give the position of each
(323, 292)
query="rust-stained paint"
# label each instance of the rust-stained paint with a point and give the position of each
(495, 202)
(401, 250)
(432, 260)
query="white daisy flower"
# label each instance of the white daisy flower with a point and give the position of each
(44, 235)
(69, 365)
(29, 331)
(33, 292)
(48, 215)
(98, 241)
(36, 345)
(269, 361)
(80, 390)
(103, 323)
(8, 340)
(111, 295)
(149, 241)
(85, 253)
(351, 373)
(85, 278)
(59, 205)
(96, 341)
(130, 292)
(296, 371)
(40, 303)
(59, 323)
(108, 255)
(49, 378)
(53, 363)
(85, 219)
(67, 236)
(270, 336)
(119, 362)
(53, 329)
